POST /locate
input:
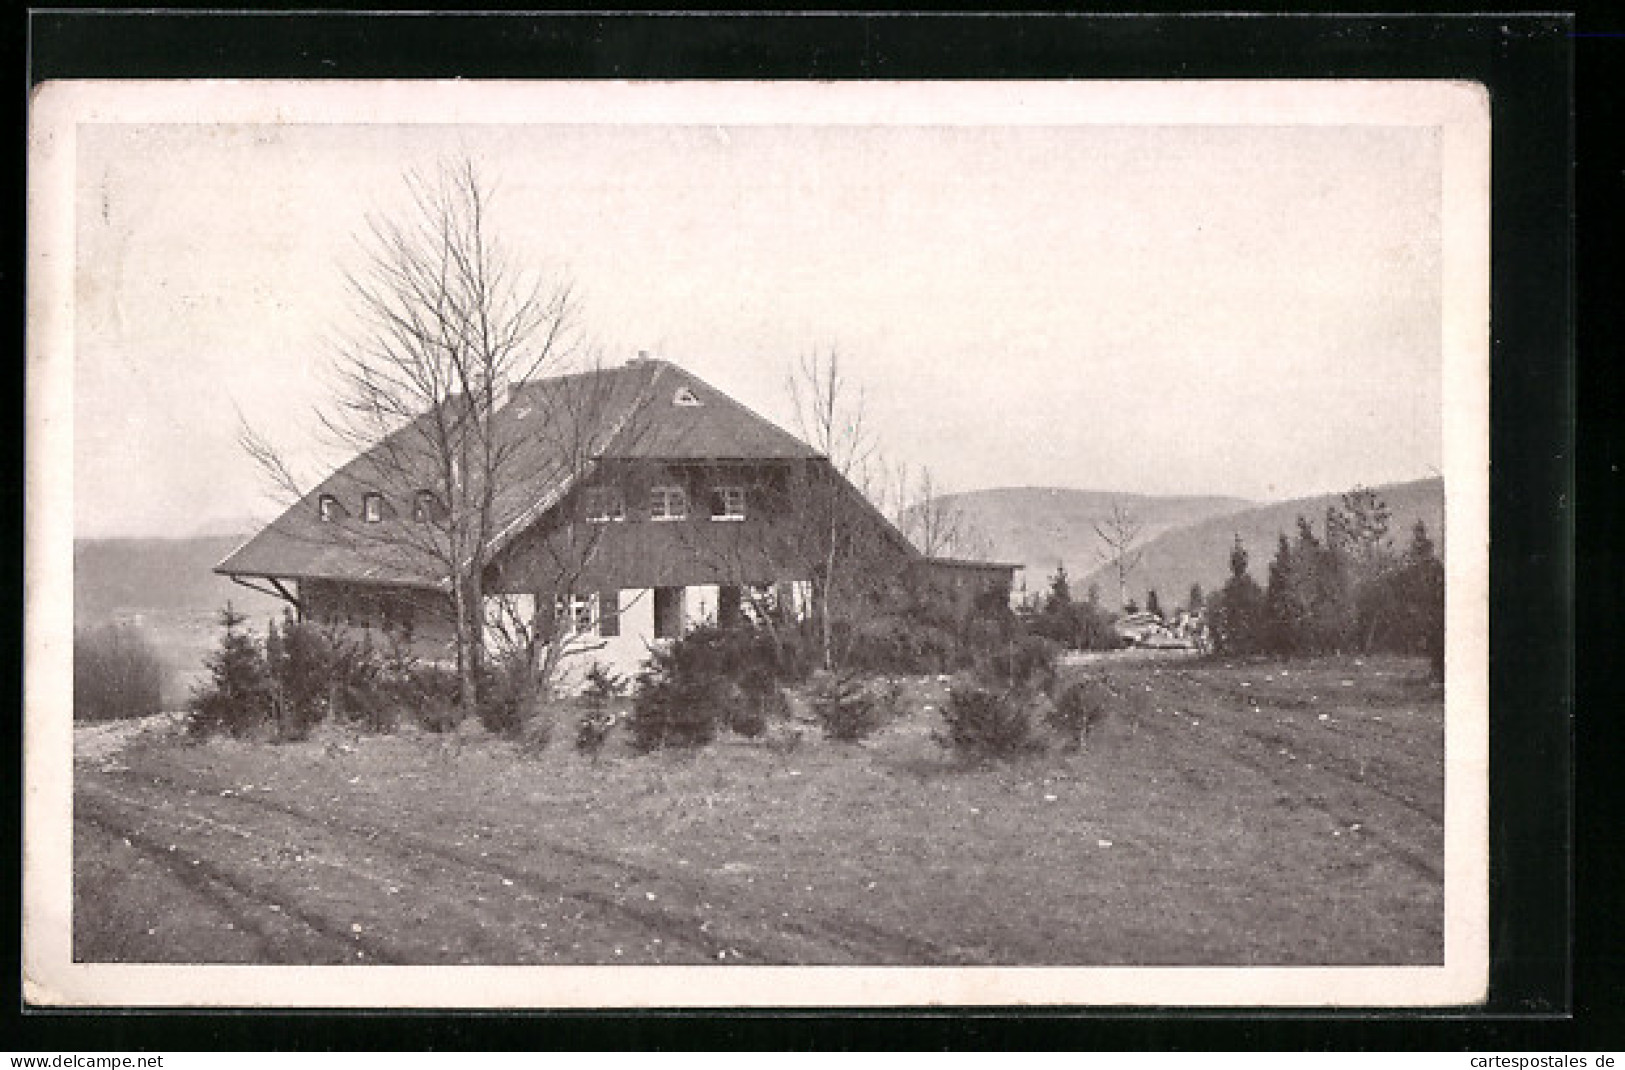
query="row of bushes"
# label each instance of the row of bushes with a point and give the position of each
(1075, 625)
(713, 679)
(735, 679)
(994, 714)
(301, 674)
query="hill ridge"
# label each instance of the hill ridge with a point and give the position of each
(1185, 538)
(1199, 553)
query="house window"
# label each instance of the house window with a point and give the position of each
(728, 503)
(327, 507)
(668, 503)
(685, 397)
(759, 602)
(372, 507)
(425, 506)
(576, 613)
(668, 612)
(605, 504)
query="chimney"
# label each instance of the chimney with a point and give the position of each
(643, 355)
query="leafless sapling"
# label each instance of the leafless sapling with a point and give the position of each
(1118, 534)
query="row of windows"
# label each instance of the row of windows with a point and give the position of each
(425, 507)
(604, 504)
(599, 613)
(607, 504)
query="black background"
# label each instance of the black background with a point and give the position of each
(1555, 979)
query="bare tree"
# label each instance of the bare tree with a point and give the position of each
(1118, 533)
(829, 413)
(445, 319)
(933, 520)
(844, 521)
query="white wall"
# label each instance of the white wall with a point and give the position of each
(624, 653)
(700, 605)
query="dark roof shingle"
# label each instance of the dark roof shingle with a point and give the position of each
(556, 428)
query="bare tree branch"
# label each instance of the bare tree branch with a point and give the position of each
(444, 321)
(1119, 532)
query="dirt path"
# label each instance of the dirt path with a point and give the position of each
(1238, 815)
(1350, 764)
(317, 886)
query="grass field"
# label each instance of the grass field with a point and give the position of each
(1247, 814)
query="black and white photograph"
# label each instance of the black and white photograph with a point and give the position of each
(628, 544)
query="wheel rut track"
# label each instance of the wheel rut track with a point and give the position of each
(852, 939)
(852, 933)
(1346, 771)
(1426, 867)
(1292, 779)
(405, 846)
(221, 888)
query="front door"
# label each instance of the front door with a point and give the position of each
(668, 612)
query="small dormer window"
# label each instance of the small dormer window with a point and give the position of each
(327, 508)
(372, 507)
(425, 506)
(668, 503)
(605, 504)
(728, 503)
(685, 397)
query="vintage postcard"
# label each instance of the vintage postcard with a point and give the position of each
(883, 544)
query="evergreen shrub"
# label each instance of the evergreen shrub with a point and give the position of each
(1022, 660)
(714, 677)
(1077, 708)
(598, 716)
(847, 706)
(236, 698)
(985, 722)
(902, 645)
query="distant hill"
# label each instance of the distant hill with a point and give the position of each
(122, 577)
(1041, 527)
(228, 526)
(1200, 552)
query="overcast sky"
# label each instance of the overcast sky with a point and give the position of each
(1239, 310)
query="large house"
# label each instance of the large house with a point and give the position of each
(637, 501)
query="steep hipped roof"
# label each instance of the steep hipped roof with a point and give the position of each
(556, 428)
(688, 419)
